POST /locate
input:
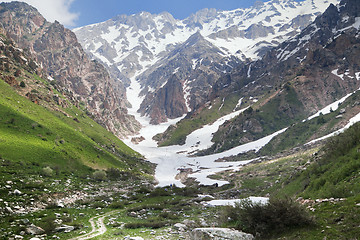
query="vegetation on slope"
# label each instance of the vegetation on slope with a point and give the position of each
(325, 181)
(176, 135)
(67, 139)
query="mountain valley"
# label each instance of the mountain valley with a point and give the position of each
(150, 127)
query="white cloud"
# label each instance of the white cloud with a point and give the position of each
(55, 10)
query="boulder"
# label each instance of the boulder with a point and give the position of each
(180, 227)
(65, 228)
(34, 230)
(218, 233)
(17, 192)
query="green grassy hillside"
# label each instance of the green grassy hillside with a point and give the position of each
(66, 138)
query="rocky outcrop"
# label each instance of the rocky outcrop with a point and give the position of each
(167, 102)
(62, 58)
(183, 80)
(218, 234)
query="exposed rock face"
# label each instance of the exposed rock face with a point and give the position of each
(168, 101)
(198, 49)
(218, 234)
(183, 80)
(60, 55)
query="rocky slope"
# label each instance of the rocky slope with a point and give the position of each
(296, 79)
(62, 59)
(142, 46)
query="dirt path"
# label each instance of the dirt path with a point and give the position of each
(97, 225)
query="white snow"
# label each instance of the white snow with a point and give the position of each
(357, 75)
(170, 159)
(335, 72)
(351, 122)
(249, 71)
(232, 202)
(238, 104)
(331, 107)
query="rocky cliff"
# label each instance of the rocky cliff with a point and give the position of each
(62, 58)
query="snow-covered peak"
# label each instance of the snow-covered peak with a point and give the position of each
(136, 45)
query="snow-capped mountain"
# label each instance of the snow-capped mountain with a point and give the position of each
(141, 46)
(295, 80)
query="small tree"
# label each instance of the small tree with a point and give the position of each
(22, 84)
(99, 175)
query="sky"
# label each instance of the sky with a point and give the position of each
(77, 13)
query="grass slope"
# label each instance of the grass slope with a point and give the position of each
(68, 139)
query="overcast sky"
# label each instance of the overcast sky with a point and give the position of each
(76, 13)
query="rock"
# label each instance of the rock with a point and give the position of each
(25, 221)
(65, 228)
(189, 223)
(34, 230)
(180, 227)
(19, 237)
(35, 238)
(17, 192)
(9, 210)
(60, 204)
(133, 214)
(219, 233)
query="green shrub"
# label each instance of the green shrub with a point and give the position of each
(153, 224)
(117, 205)
(99, 175)
(113, 173)
(47, 171)
(22, 84)
(48, 224)
(265, 220)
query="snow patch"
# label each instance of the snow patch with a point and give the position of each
(233, 202)
(331, 107)
(335, 72)
(351, 122)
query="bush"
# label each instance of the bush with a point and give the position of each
(150, 224)
(113, 173)
(99, 175)
(48, 224)
(22, 84)
(117, 205)
(277, 216)
(47, 171)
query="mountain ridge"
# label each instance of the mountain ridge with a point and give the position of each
(62, 59)
(132, 45)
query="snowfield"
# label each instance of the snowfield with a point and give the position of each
(170, 160)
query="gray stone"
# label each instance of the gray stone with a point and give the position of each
(9, 210)
(64, 228)
(218, 234)
(17, 192)
(180, 227)
(34, 230)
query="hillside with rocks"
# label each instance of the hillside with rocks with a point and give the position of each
(63, 60)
